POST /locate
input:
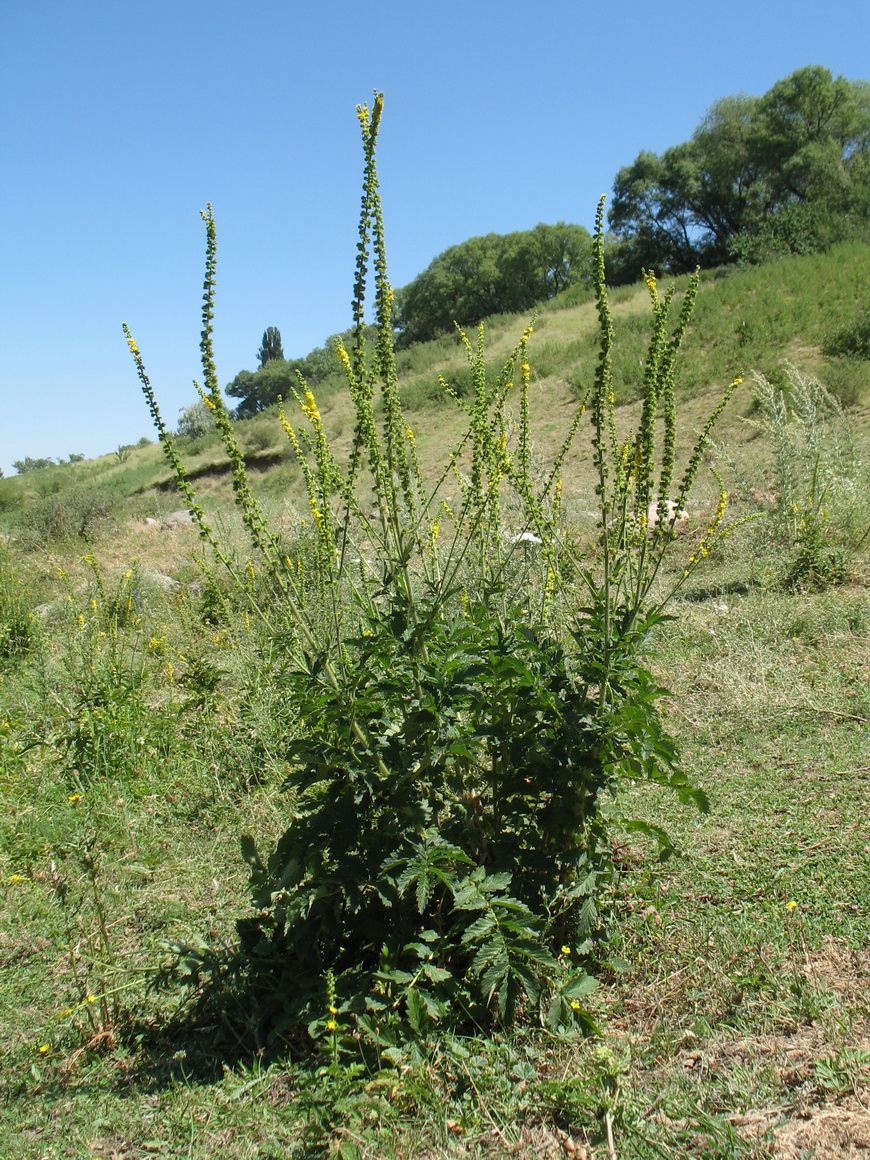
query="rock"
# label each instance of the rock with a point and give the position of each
(176, 520)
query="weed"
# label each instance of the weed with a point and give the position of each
(459, 720)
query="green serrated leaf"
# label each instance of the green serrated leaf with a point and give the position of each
(416, 1010)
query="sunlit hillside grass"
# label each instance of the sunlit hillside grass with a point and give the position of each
(746, 320)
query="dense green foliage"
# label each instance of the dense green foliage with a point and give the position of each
(495, 274)
(271, 347)
(30, 464)
(278, 377)
(785, 172)
(458, 718)
(195, 421)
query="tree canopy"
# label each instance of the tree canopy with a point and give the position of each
(278, 377)
(270, 347)
(789, 170)
(495, 274)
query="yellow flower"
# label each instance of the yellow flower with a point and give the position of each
(74, 797)
(566, 950)
(331, 1025)
(44, 1048)
(309, 408)
(16, 877)
(791, 905)
(575, 1006)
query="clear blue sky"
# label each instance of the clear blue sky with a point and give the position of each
(121, 120)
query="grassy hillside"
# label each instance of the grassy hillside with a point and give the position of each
(144, 729)
(746, 319)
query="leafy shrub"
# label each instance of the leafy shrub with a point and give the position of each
(466, 684)
(195, 421)
(815, 476)
(71, 513)
(851, 340)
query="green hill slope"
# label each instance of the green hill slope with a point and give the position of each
(746, 319)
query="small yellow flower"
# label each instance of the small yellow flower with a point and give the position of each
(331, 1025)
(332, 1010)
(791, 905)
(566, 950)
(44, 1048)
(91, 999)
(16, 877)
(74, 797)
(575, 1006)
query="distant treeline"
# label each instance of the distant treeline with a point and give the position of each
(788, 172)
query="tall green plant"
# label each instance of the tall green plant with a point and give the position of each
(816, 470)
(462, 703)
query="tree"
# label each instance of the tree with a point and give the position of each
(195, 420)
(279, 377)
(28, 464)
(270, 348)
(494, 274)
(760, 174)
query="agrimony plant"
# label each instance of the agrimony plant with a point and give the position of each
(466, 683)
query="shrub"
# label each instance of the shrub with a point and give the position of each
(466, 685)
(851, 340)
(195, 421)
(815, 477)
(71, 513)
